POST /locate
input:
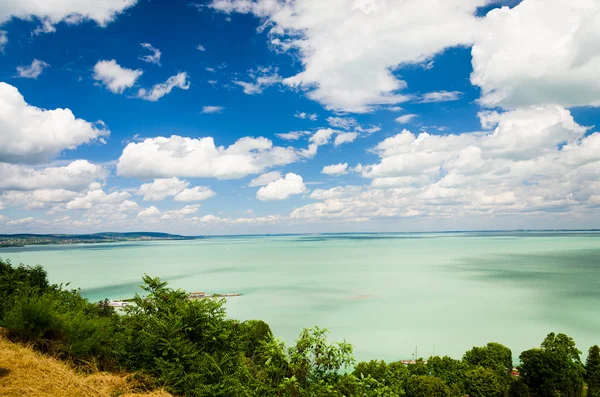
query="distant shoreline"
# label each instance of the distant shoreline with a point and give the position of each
(24, 240)
(30, 239)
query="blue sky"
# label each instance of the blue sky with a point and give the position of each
(407, 115)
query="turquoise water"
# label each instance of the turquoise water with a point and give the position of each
(384, 293)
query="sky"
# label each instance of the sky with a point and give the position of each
(299, 116)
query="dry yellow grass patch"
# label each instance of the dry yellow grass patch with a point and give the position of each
(24, 372)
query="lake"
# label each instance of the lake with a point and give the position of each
(387, 294)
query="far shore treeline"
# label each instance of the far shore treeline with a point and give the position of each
(190, 348)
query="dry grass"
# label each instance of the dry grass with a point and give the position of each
(24, 372)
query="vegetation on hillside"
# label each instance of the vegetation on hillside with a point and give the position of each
(190, 348)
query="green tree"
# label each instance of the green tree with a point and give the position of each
(592, 371)
(493, 355)
(316, 363)
(553, 370)
(448, 369)
(484, 382)
(426, 386)
(390, 376)
(518, 389)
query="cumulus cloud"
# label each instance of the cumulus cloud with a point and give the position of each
(31, 134)
(199, 157)
(212, 109)
(75, 176)
(153, 214)
(36, 199)
(335, 169)
(282, 188)
(95, 197)
(294, 135)
(539, 52)
(197, 193)
(151, 58)
(344, 123)
(200, 47)
(404, 119)
(32, 71)
(535, 160)
(308, 116)
(180, 80)
(265, 179)
(20, 222)
(344, 137)
(51, 12)
(440, 96)
(349, 71)
(115, 77)
(162, 188)
(262, 78)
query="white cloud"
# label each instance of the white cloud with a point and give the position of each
(349, 48)
(294, 135)
(22, 221)
(152, 58)
(212, 109)
(115, 77)
(200, 47)
(75, 176)
(344, 123)
(36, 199)
(440, 96)
(149, 212)
(153, 214)
(180, 80)
(308, 116)
(162, 188)
(344, 137)
(32, 71)
(335, 169)
(55, 11)
(3, 40)
(199, 157)
(96, 197)
(262, 77)
(539, 52)
(282, 189)
(404, 119)
(265, 179)
(31, 134)
(198, 193)
(394, 109)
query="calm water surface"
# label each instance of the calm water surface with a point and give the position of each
(384, 293)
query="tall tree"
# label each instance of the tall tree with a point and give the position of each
(484, 382)
(553, 370)
(592, 371)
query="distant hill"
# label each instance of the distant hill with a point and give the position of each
(20, 240)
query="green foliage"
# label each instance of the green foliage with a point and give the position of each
(426, 386)
(314, 362)
(192, 349)
(484, 382)
(493, 356)
(448, 369)
(553, 370)
(592, 371)
(518, 389)
(380, 375)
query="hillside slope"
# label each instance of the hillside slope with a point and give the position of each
(24, 373)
